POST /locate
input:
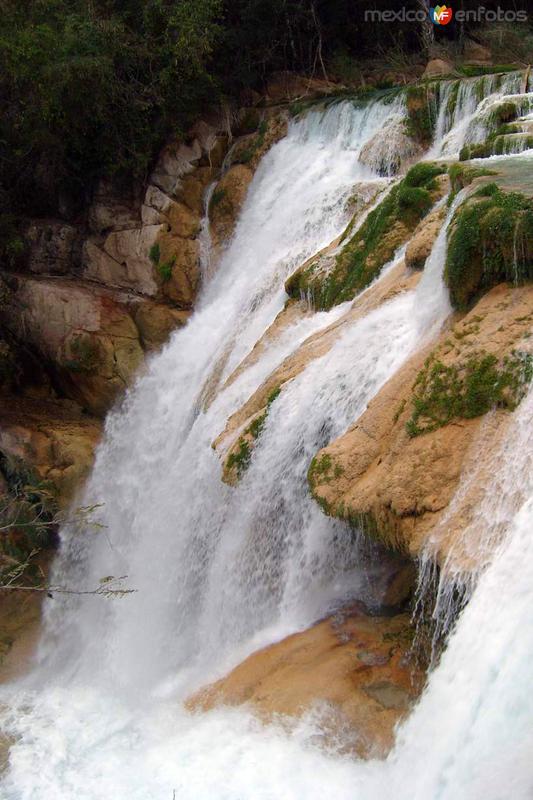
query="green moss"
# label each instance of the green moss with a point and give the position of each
(154, 253)
(216, 198)
(240, 459)
(245, 156)
(462, 176)
(374, 244)
(501, 138)
(452, 99)
(421, 113)
(444, 393)
(490, 241)
(473, 72)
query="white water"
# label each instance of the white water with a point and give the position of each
(466, 121)
(220, 571)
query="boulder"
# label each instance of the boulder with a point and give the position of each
(390, 149)
(353, 669)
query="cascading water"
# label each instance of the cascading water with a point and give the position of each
(461, 105)
(220, 571)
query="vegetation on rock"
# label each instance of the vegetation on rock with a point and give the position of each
(27, 512)
(241, 455)
(490, 241)
(442, 393)
(164, 268)
(374, 244)
(421, 113)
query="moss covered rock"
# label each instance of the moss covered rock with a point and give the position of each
(490, 241)
(385, 229)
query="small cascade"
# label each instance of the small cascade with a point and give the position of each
(464, 109)
(204, 237)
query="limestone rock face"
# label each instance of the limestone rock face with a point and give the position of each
(53, 438)
(90, 341)
(423, 239)
(54, 247)
(437, 68)
(227, 201)
(353, 669)
(401, 488)
(113, 209)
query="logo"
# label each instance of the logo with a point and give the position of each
(440, 15)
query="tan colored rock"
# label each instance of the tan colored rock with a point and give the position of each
(353, 668)
(438, 67)
(134, 271)
(183, 222)
(401, 488)
(54, 439)
(131, 249)
(87, 337)
(423, 239)
(227, 200)
(155, 322)
(184, 256)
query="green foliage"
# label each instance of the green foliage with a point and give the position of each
(27, 512)
(374, 244)
(491, 240)
(444, 393)
(155, 253)
(92, 89)
(164, 268)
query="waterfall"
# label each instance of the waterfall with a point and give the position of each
(219, 571)
(462, 104)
